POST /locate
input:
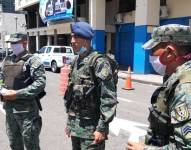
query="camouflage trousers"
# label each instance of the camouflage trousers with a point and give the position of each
(86, 144)
(23, 129)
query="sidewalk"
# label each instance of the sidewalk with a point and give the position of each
(142, 78)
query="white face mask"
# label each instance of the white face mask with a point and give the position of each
(17, 49)
(157, 66)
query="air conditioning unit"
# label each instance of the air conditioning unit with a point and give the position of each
(118, 18)
(163, 12)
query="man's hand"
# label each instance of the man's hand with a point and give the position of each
(98, 137)
(135, 146)
(67, 132)
(8, 95)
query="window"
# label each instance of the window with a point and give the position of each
(162, 2)
(48, 50)
(126, 5)
(42, 50)
(62, 50)
(56, 50)
(68, 50)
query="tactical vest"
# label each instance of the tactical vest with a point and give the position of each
(160, 122)
(161, 130)
(84, 93)
(15, 77)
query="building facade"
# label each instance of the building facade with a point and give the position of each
(121, 26)
(7, 6)
(10, 21)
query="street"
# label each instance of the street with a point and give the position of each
(132, 112)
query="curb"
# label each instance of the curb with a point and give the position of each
(145, 79)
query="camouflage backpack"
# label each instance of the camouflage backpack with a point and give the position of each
(112, 61)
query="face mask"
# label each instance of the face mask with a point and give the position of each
(157, 66)
(17, 48)
(82, 50)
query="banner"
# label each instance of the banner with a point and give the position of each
(51, 10)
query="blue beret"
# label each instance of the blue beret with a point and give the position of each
(82, 29)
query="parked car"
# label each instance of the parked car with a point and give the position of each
(4, 52)
(54, 56)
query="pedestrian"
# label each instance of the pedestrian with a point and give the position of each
(169, 118)
(24, 79)
(91, 95)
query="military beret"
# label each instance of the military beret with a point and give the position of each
(82, 29)
(175, 33)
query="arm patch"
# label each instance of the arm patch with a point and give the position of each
(180, 113)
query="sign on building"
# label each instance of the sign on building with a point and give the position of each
(51, 10)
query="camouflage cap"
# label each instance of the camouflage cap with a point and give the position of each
(16, 37)
(175, 33)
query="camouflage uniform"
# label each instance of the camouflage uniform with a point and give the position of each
(23, 122)
(100, 104)
(170, 113)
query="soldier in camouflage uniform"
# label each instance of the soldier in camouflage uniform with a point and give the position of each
(90, 103)
(170, 113)
(24, 78)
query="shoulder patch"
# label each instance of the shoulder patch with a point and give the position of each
(103, 70)
(180, 113)
(186, 131)
(35, 61)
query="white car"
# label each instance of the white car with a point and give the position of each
(54, 56)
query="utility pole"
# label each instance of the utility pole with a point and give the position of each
(16, 23)
(75, 10)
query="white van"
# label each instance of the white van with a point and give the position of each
(53, 56)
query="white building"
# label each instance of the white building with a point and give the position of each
(10, 22)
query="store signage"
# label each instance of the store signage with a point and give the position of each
(51, 10)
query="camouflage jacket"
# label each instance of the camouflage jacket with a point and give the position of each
(179, 109)
(25, 97)
(107, 100)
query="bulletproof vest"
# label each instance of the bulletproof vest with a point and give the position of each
(160, 120)
(85, 93)
(14, 75)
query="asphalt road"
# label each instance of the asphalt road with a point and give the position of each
(132, 110)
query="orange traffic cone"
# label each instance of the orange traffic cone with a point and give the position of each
(128, 82)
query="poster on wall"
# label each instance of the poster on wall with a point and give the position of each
(51, 10)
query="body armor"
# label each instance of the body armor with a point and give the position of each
(160, 121)
(161, 129)
(15, 77)
(83, 94)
